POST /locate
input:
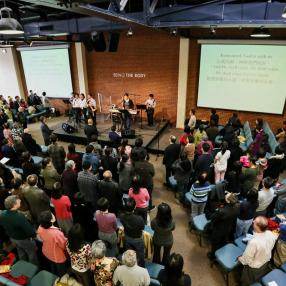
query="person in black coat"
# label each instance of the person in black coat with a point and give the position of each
(171, 154)
(90, 129)
(109, 189)
(46, 131)
(222, 223)
(30, 143)
(114, 137)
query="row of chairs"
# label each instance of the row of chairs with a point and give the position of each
(35, 277)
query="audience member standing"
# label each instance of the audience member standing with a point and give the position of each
(220, 162)
(37, 199)
(46, 131)
(192, 119)
(173, 273)
(212, 131)
(223, 222)
(54, 243)
(107, 226)
(163, 226)
(199, 134)
(62, 205)
(141, 197)
(204, 162)
(80, 255)
(74, 156)
(90, 129)
(19, 230)
(258, 253)
(171, 154)
(57, 153)
(130, 274)
(265, 196)
(246, 214)
(91, 158)
(109, 189)
(50, 174)
(133, 226)
(87, 184)
(199, 193)
(125, 172)
(214, 117)
(146, 171)
(30, 143)
(69, 179)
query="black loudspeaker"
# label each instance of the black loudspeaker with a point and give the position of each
(88, 44)
(99, 42)
(68, 128)
(128, 133)
(113, 42)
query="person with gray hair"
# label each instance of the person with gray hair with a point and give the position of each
(102, 267)
(19, 230)
(69, 179)
(130, 274)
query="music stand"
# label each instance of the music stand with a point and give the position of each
(141, 107)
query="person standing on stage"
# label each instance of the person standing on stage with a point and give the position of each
(76, 105)
(91, 103)
(127, 104)
(150, 108)
(83, 106)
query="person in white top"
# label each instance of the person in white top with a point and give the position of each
(193, 120)
(265, 196)
(76, 106)
(130, 274)
(257, 253)
(150, 108)
(220, 162)
(83, 105)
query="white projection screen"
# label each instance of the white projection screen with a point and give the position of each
(243, 77)
(48, 69)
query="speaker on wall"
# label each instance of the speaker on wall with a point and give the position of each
(99, 42)
(113, 41)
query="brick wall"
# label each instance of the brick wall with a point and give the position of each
(275, 121)
(151, 53)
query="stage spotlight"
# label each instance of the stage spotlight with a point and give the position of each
(129, 32)
(284, 13)
(174, 31)
(213, 29)
(260, 33)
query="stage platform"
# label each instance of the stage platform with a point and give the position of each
(149, 134)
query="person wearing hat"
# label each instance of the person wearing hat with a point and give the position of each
(223, 222)
(130, 274)
(280, 249)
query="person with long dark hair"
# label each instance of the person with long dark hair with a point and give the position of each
(80, 255)
(173, 273)
(247, 211)
(163, 225)
(141, 197)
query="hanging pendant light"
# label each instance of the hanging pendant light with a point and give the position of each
(9, 25)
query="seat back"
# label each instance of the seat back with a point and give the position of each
(43, 278)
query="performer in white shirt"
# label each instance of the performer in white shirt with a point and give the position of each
(91, 103)
(76, 106)
(83, 106)
(150, 108)
(258, 252)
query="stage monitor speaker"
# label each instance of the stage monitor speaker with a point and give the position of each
(128, 133)
(99, 42)
(113, 41)
(68, 128)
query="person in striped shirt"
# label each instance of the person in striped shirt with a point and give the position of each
(199, 194)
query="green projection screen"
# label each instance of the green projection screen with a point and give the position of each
(47, 69)
(243, 77)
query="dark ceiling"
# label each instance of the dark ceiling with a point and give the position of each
(73, 17)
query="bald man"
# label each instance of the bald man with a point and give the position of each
(258, 252)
